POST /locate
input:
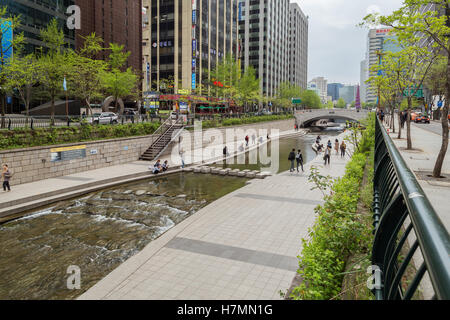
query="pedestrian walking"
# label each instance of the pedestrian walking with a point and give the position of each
(329, 145)
(225, 152)
(336, 146)
(327, 157)
(253, 138)
(292, 160)
(182, 158)
(247, 139)
(6, 175)
(343, 149)
(299, 158)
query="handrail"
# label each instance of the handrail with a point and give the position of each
(398, 195)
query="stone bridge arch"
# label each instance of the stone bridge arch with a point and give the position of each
(307, 117)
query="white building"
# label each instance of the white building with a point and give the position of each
(322, 86)
(363, 78)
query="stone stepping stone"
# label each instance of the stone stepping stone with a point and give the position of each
(223, 172)
(234, 172)
(140, 192)
(215, 170)
(260, 176)
(206, 170)
(250, 175)
(197, 169)
(242, 174)
(188, 169)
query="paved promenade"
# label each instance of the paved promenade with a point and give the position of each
(427, 142)
(243, 246)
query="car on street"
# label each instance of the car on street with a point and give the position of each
(422, 118)
(104, 118)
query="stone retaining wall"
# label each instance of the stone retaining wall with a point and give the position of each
(33, 164)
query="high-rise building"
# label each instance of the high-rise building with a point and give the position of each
(322, 86)
(363, 78)
(264, 34)
(298, 46)
(35, 15)
(348, 93)
(379, 40)
(115, 22)
(333, 90)
(184, 40)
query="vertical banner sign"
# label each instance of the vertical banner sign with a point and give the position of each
(194, 81)
(240, 10)
(7, 39)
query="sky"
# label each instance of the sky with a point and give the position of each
(336, 44)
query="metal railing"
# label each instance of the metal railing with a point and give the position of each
(402, 211)
(34, 122)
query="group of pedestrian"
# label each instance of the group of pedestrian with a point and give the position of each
(296, 157)
(158, 167)
(319, 148)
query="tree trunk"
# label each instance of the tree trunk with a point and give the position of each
(445, 134)
(53, 112)
(2, 98)
(408, 126)
(399, 124)
(393, 120)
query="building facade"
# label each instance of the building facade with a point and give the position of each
(115, 22)
(35, 15)
(264, 35)
(333, 90)
(298, 46)
(363, 78)
(184, 40)
(348, 93)
(379, 41)
(322, 87)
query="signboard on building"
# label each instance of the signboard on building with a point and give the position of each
(194, 81)
(7, 39)
(68, 153)
(296, 101)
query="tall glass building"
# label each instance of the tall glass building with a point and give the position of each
(35, 15)
(184, 40)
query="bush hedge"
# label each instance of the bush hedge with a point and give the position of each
(242, 121)
(338, 231)
(25, 137)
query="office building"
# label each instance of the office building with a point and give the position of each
(115, 22)
(185, 40)
(363, 78)
(379, 40)
(35, 15)
(322, 87)
(264, 35)
(348, 93)
(333, 90)
(298, 46)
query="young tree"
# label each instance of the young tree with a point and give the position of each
(429, 27)
(85, 80)
(341, 104)
(310, 99)
(54, 64)
(23, 74)
(285, 93)
(8, 25)
(248, 88)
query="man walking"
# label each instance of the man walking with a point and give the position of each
(327, 155)
(292, 160)
(6, 175)
(246, 140)
(343, 149)
(299, 158)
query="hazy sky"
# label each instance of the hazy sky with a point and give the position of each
(336, 45)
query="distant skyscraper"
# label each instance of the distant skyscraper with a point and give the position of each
(377, 41)
(363, 79)
(322, 86)
(348, 93)
(333, 90)
(298, 46)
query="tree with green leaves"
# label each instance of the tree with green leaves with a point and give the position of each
(436, 80)
(8, 25)
(285, 93)
(341, 104)
(54, 64)
(23, 74)
(117, 83)
(429, 28)
(310, 99)
(248, 90)
(85, 81)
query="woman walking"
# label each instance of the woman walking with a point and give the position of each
(336, 146)
(6, 174)
(327, 155)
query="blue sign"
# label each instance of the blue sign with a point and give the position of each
(194, 47)
(440, 104)
(194, 17)
(194, 81)
(9, 100)
(241, 4)
(7, 39)
(194, 63)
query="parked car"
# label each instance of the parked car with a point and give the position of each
(422, 119)
(104, 118)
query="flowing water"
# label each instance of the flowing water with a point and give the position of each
(101, 230)
(97, 232)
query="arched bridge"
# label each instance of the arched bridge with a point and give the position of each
(306, 118)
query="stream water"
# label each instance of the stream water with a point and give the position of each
(101, 230)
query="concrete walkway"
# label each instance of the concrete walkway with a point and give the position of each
(427, 143)
(40, 193)
(242, 246)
